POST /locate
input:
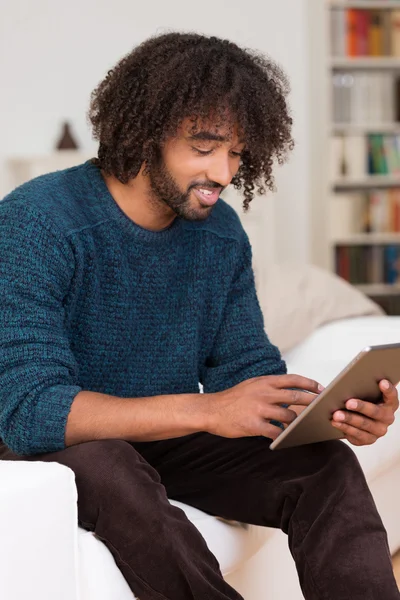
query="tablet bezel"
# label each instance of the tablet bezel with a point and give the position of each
(371, 365)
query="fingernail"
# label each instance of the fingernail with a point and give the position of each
(385, 384)
(352, 404)
(320, 387)
(339, 416)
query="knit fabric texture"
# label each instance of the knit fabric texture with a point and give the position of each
(91, 301)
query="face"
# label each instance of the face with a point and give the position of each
(194, 168)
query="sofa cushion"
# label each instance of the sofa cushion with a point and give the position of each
(100, 579)
(297, 299)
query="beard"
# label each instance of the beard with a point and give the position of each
(166, 191)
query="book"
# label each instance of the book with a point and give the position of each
(341, 97)
(392, 264)
(362, 32)
(377, 213)
(382, 211)
(387, 32)
(359, 97)
(351, 32)
(396, 199)
(368, 264)
(386, 97)
(395, 33)
(390, 153)
(376, 38)
(377, 163)
(375, 268)
(343, 262)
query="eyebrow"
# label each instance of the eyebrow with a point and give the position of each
(208, 135)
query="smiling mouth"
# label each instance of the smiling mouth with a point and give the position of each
(208, 196)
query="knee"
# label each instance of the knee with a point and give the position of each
(105, 464)
(338, 451)
(339, 461)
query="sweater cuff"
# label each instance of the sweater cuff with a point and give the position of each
(47, 421)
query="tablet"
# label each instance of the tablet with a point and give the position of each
(360, 379)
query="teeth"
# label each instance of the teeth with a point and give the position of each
(206, 192)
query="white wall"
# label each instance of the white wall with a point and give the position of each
(53, 53)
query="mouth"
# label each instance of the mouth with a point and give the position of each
(208, 196)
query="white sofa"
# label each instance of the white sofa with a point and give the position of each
(45, 556)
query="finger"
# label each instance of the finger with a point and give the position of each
(358, 437)
(360, 422)
(295, 397)
(297, 409)
(298, 381)
(269, 431)
(390, 394)
(378, 412)
(277, 413)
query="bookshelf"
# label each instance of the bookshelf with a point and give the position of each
(365, 4)
(379, 289)
(365, 183)
(361, 60)
(390, 127)
(368, 239)
(373, 64)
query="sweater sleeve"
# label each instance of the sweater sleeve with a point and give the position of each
(38, 372)
(241, 349)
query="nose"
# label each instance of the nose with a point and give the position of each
(221, 170)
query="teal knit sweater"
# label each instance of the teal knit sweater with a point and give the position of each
(91, 301)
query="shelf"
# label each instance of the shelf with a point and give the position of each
(354, 128)
(367, 239)
(366, 62)
(367, 182)
(367, 4)
(379, 289)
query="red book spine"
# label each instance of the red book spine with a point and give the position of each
(362, 32)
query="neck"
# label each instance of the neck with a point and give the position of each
(137, 201)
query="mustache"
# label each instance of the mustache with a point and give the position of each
(206, 184)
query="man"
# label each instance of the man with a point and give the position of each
(126, 282)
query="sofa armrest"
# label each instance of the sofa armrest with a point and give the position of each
(38, 531)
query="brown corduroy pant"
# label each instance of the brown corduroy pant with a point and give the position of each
(317, 494)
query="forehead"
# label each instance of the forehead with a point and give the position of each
(209, 129)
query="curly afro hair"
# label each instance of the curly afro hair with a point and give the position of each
(146, 96)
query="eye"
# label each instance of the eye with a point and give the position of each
(236, 154)
(201, 152)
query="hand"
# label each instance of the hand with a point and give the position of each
(247, 408)
(364, 422)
